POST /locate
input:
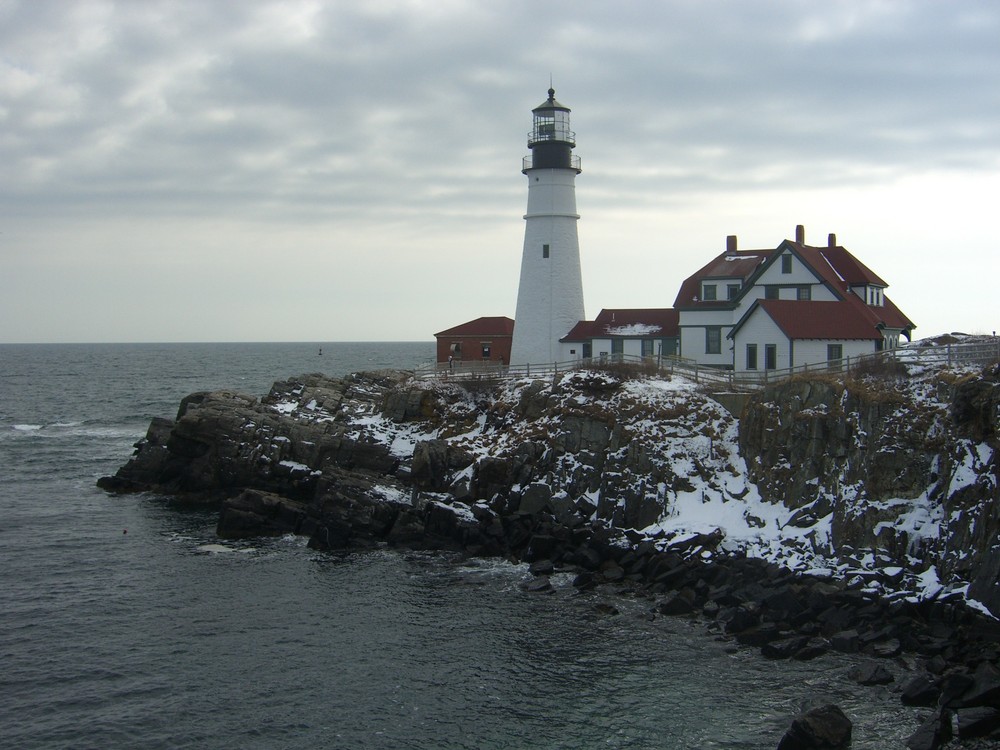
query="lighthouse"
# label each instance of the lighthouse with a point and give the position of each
(550, 292)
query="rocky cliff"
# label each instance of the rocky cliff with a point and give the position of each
(888, 478)
(903, 463)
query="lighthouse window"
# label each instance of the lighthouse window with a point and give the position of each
(545, 251)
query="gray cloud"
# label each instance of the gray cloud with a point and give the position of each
(405, 121)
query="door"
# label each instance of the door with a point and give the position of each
(770, 356)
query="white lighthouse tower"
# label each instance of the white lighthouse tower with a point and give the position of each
(550, 293)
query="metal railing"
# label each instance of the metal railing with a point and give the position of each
(527, 162)
(978, 353)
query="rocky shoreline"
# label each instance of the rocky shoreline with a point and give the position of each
(616, 477)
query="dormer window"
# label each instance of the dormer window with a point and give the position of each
(874, 296)
(732, 291)
(708, 292)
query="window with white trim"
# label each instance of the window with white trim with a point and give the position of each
(713, 340)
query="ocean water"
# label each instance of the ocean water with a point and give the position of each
(125, 624)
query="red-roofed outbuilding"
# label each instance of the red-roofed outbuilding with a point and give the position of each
(480, 340)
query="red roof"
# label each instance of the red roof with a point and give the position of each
(849, 318)
(627, 323)
(892, 316)
(582, 331)
(799, 319)
(840, 271)
(498, 326)
(736, 264)
(852, 270)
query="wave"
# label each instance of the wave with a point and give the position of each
(61, 435)
(56, 431)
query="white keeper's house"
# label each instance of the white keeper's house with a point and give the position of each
(790, 306)
(795, 305)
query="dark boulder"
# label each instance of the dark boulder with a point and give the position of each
(677, 603)
(784, 648)
(885, 649)
(984, 690)
(811, 649)
(737, 619)
(146, 468)
(982, 721)
(434, 462)
(846, 641)
(823, 728)
(759, 635)
(932, 733)
(871, 673)
(922, 690)
(540, 547)
(541, 568)
(407, 529)
(538, 585)
(954, 684)
(253, 513)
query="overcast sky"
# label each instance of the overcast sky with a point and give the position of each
(331, 171)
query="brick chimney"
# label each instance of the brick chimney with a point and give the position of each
(831, 241)
(731, 243)
(800, 234)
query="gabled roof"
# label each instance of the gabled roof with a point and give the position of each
(820, 319)
(658, 322)
(497, 326)
(848, 318)
(832, 265)
(735, 264)
(849, 268)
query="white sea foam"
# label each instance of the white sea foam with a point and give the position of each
(219, 549)
(214, 548)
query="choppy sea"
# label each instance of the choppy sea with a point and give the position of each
(124, 624)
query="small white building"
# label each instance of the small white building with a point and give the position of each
(650, 332)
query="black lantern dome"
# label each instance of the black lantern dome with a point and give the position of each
(551, 140)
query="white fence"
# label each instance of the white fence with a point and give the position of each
(979, 353)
